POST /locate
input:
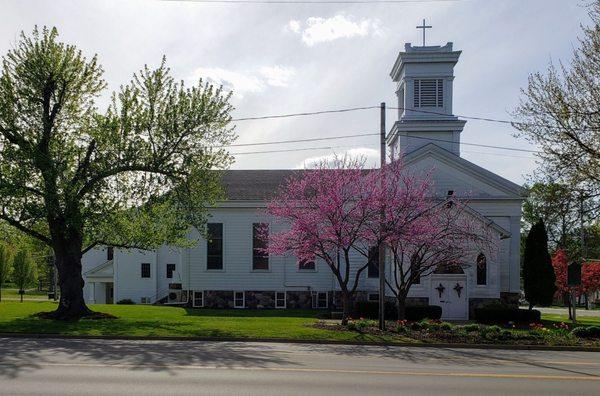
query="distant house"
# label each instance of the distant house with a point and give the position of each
(229, 272)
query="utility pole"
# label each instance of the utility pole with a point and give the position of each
(382, 215)
(581, 242)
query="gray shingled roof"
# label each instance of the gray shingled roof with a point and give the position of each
(254, 184)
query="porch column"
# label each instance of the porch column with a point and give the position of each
(92, 292)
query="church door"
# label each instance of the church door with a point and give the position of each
(449, 291)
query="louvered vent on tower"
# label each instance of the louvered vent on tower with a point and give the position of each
(429, 92)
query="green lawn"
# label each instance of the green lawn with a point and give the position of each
(144, 320)
(29, 293)
(582, 320)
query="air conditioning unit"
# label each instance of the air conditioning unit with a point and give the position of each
(175, 297)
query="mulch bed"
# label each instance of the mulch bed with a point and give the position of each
(457, 336)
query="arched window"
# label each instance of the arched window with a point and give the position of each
(481, 269)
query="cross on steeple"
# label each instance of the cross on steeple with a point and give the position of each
(424, 27)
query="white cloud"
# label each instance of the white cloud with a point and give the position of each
(320, 30)
(242, 83)
(294, 25)
(239, 83)
(370, 157)
(277, 76)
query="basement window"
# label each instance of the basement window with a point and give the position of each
(280, 299)
(319, 300)
(239, 299)
(198, 300)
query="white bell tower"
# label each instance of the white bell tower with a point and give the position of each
(424, 76)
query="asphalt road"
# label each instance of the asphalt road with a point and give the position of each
(103, 367)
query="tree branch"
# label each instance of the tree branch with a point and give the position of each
(28, 231)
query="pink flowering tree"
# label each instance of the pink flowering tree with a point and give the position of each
(444, 236)
(324, 212)
(334, 212)
(339, 210)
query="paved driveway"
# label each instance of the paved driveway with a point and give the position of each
(565, 311)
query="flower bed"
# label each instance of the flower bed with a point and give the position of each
(432, 331)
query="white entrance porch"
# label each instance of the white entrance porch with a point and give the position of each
(100, 284)
(449, 291)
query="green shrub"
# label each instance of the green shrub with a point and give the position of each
(470, 328)
(370, 309)
(587, 332)
(361, 324)
(504, 335)
(446, 326)
(126, 301)
(504, 315)
(419, 312)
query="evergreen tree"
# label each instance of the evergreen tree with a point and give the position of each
(538, 274)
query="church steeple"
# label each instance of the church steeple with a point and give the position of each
(424, 76)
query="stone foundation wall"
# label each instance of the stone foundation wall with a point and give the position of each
(218, 299)
(260, 299)
(299, 300)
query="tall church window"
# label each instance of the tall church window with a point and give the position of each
(260, 258)
(481, 269)
(373, 267)
(214, 247)
(429, 92)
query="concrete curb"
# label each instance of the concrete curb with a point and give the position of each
(319, 342)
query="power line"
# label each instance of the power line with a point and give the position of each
(373, 134)
(288, 150)
(298, 140)
(334, 147)
(459, 116)
(304, 113)
(475, 144)
(315, 1)
(496, 154)
(466, 117)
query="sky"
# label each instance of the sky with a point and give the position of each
(289, 58)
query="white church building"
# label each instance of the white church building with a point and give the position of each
(225, 273)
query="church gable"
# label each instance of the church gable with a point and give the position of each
(451, 172)
(105, 270)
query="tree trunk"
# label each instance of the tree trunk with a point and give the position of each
(72, 304)
(346, 306)
(401, 308)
